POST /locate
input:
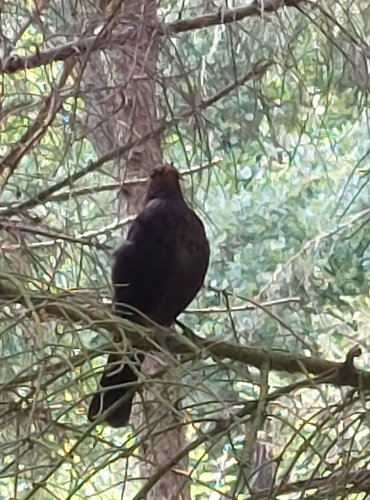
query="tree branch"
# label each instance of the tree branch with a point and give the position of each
(13, 63)
(37, 129)
(81, 310)
(257, 71)
(341, 481)
(226, 16)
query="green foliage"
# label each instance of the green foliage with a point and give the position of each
(283, 190)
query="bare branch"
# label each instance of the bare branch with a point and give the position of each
(12, 64)
(341, 481)
(226, 16)
(65, 306)
(76, 48)
(36, 131)
(257, 71)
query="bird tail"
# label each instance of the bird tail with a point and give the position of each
(116, 392)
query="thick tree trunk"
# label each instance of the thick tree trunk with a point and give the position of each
(121, 107)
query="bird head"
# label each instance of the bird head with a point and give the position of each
(165, 173)
(164, 182)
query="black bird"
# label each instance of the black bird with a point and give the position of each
(158, 270)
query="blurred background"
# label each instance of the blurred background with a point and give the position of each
(264, 109)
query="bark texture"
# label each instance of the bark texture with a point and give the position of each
(119, 86)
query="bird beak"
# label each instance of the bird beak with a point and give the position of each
(170, 168)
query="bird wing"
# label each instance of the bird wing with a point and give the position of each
(161, 266)
(143, 263)
(188, 269)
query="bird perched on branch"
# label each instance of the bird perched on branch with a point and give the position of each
(157, 272)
